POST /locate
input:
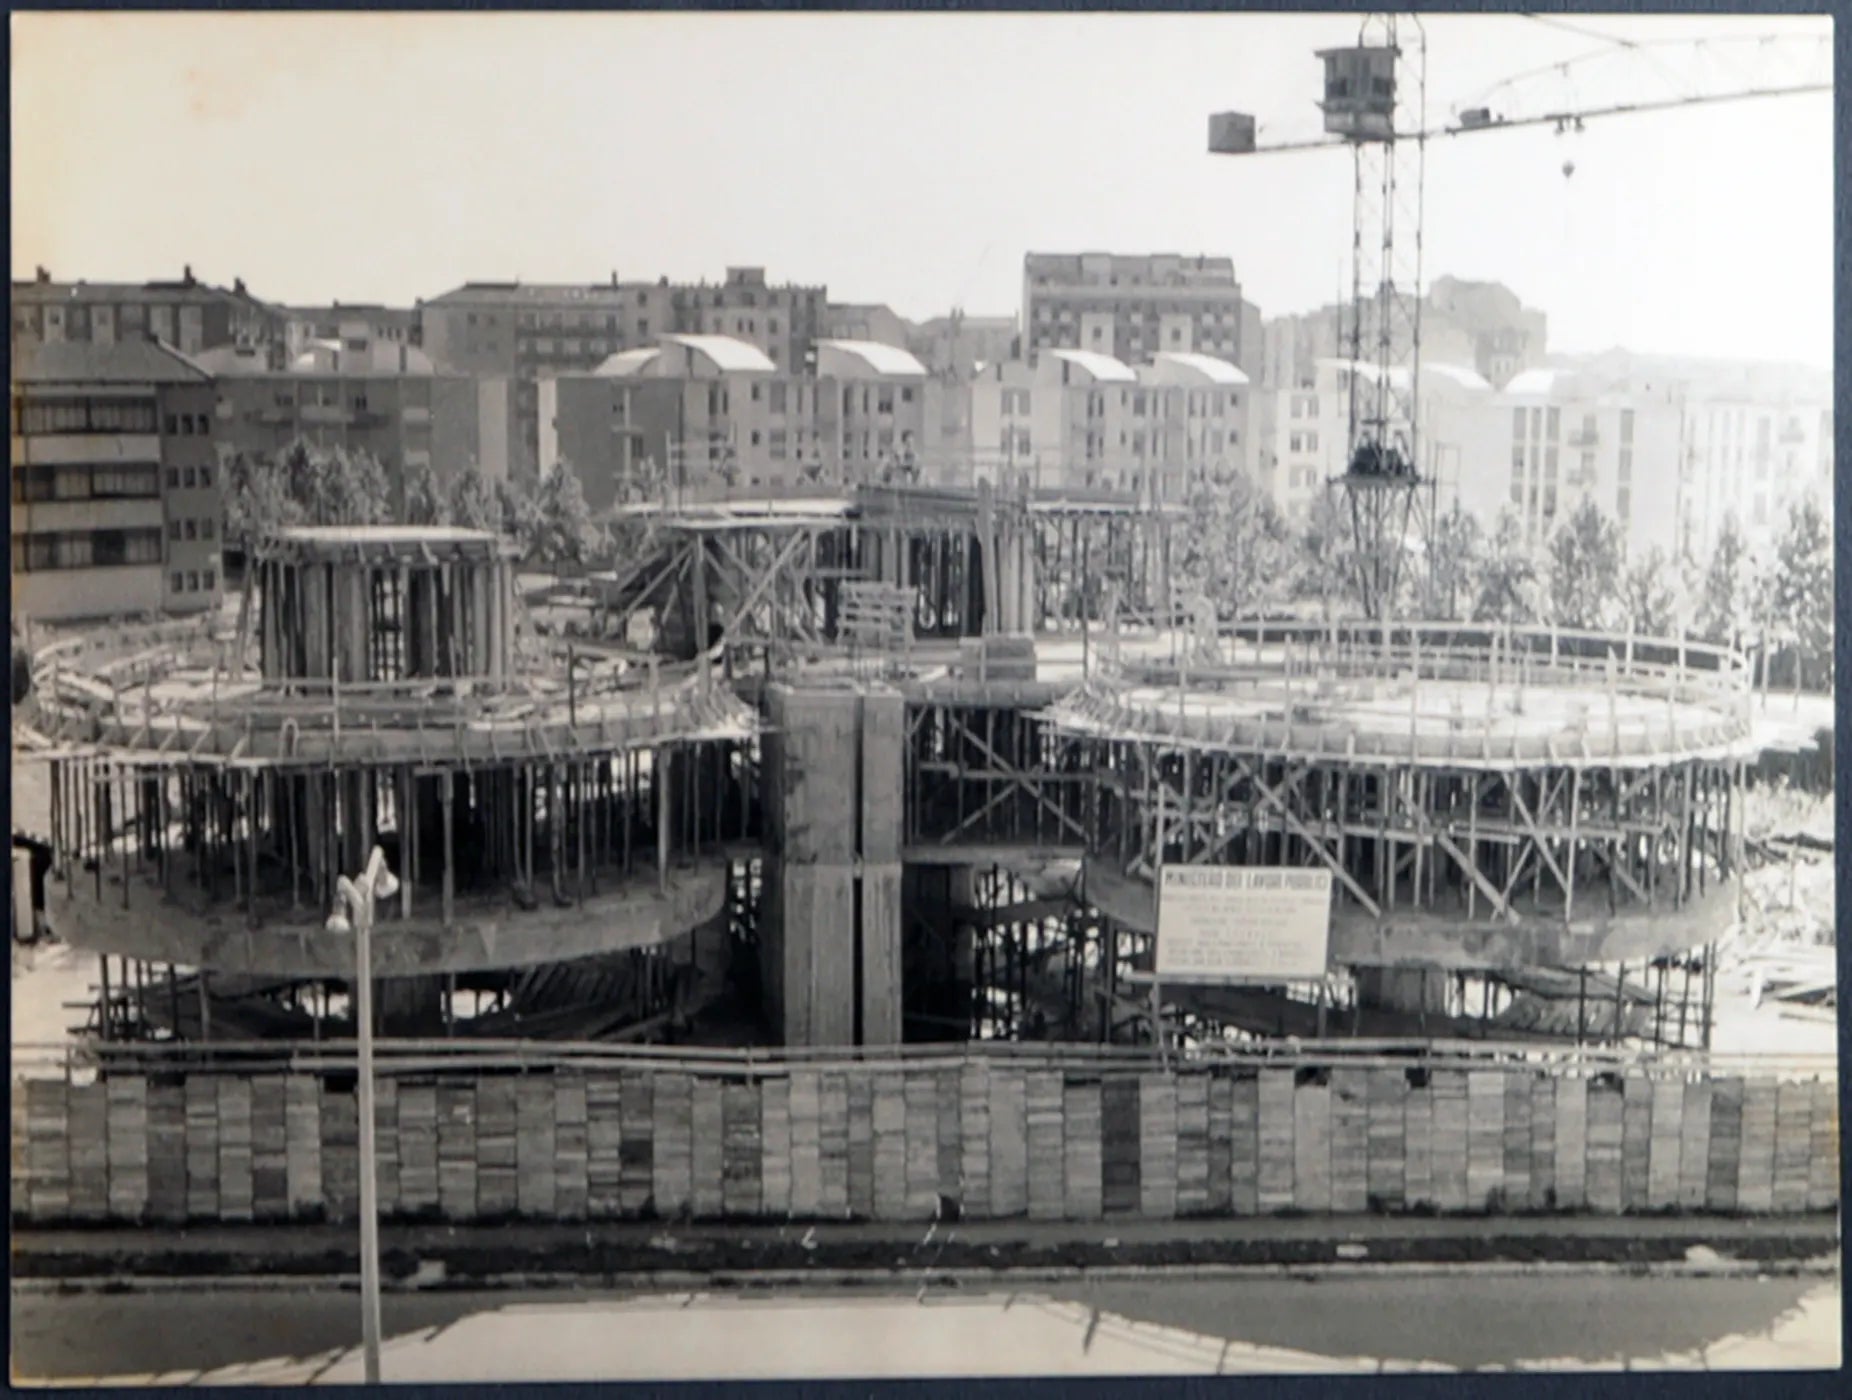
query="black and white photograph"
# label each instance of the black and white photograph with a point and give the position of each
(943, 693)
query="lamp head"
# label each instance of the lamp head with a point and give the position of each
(338, 923)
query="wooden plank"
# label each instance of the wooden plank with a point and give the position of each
(707, 1144)
(1386, 1138)
(1755, 1183)
(1515, 1187)
(605, 1164)
(1119, 1164)
(166, 1153)
(269, 1151)
(235, 1182)
(536, 1147)
(126, 1097)
(742, 1147)
(775, 1160)
(1221, 1145)
(1605, 1114)
(1275, 1146)
(1694, 1144)
(949, 1103)
(457, 1185)
(1009, 1142)
(1448, 1142)
(417, 1139)
(48, 1149)
(1636, 1140)
(1542, 1142)
(1312, 1144)
(636, 1111)
(1793, 1145)
(1418, 1189)
(865, 1160)
(303, 1146)
(1350, 1141)
(833, 1141)
(572, 1147)
(89, 1138)
(921, 1101)
(497, 1160)
(1571, 1144)
(1485, 1139)
(1823, 1164)
(1724, 1160)
(340, 1128)
(1157, 1146)
(1192, 1143)
(202, 1148)
(1662, 1157)
(1080, 1150)
(880, 935)
(386, 1147)
(672, 1138)
(806, 1109)
(974, 1140)
(1044, 1144)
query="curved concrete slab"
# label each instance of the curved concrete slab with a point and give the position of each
(487, 933)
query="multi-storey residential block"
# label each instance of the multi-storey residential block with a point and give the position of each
(1134, 307)
(712, 415)
(866, 321)
(189, 315)
(381, 398)
(530, 333)
(955, 346)
(116, 495)
(354, 326)
(1077, 419)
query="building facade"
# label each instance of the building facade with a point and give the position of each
(117, 499)
(1132, 307)
(866, 321)
(956, 346)
(188, 314)
(354, 327)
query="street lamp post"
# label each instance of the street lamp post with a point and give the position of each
(354, 912)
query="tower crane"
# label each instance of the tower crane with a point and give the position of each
(1375, 103)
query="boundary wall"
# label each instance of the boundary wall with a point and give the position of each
(917, 1138)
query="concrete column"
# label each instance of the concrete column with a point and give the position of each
(883, 736)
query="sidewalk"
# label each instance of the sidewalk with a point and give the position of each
(462, 1254)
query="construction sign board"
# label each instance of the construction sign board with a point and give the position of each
(1219, 923)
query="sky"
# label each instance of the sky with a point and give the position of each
(906, 159)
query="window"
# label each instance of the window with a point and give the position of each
(1517, 461)
(906, 393)
(188, 478)
(192, 529)
(192, 581)
(1517, 423)
(87, 415)
(1626, 425)
(778, 398)
(755, 437)
(173, 426)
(205, 476)
(173, 478)
(777, 444)
(178, 581)
(1536, 422)
(173, 531)
(1624, 501)
(884, 401)
(207, 529)
(1549, 465)
(1555, 422)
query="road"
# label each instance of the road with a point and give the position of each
(1150, 1326)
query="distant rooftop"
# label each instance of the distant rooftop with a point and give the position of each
(729, 355)
(627, 363)
(1207, 368)
(1102, 367)
(92, 362)
(886, 360)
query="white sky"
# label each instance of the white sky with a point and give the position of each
(905, 159)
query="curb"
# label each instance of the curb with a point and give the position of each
(673, 1281)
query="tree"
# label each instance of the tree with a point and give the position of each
(563, 522)
(1649, 602)
(517, 514)
(1801, 589)
(1726, 589)
(1585, 557)
(1324, 562)
(1507, 578)
(1232, 544)
(426, 501)
(1455, 546)
(303, 485)
(472, 500)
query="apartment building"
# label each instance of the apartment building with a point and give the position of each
(1748, 450)
(187, 314)
(866, 321)
(116, 498)
(955, 346)
(531, 333)
(1076, 419)
(355, 326)
(383, 398)
(1481, 326)
(1132, 307)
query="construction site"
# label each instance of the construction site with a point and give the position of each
(815, 870)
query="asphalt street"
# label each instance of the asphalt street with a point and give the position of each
(1146, 1326)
